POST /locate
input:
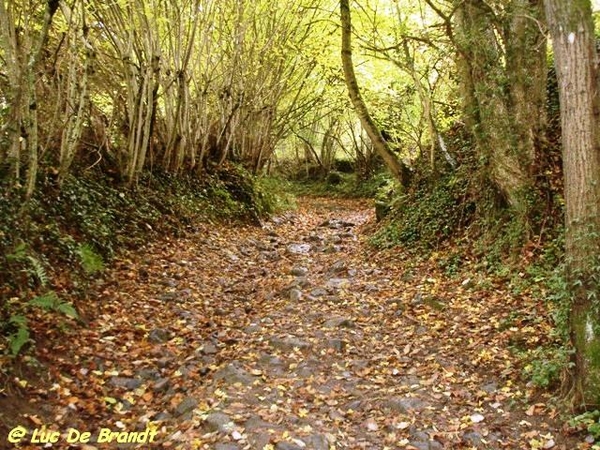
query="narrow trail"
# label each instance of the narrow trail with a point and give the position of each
(298, 335)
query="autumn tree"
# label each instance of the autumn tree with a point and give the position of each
(392, 161)
(22, 47)
(502, 69)
(576, 57)
(128, 86)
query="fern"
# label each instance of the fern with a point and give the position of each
(51, 302)
(18, 339)
(67, 309)
(38, 270)
(47, 301)
(90, 260)
(36, 267)
(19, 253)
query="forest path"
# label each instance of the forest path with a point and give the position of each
(299, 335)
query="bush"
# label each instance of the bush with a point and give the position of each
(84, 223)
(431, 213)
(274, 196)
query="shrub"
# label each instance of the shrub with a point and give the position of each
(428, 215)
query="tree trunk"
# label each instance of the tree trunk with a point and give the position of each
(394, 164)
(576, 59)
(22, 53)
(503, 88)
(527, 68)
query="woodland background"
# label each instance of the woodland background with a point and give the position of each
(126, 120)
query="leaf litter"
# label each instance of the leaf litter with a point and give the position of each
(298, 335)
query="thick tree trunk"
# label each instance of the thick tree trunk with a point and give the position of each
(503, 88)
(394, 164)
(526, 67)
(572, 32)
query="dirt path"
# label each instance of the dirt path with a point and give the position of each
(298, 335)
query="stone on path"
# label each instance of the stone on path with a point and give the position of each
(318, 292)
(298, 249)
(161, 385)
(209, 348)
(295, 295)
(337, 283)
(231, 374)
(404, 405)
(186, 406)
(130, 384)
(288, 343)
(226, 447)
(158, 336)
(317, 442)
(299, 271)
(288, 446)
(339, 322)
(218, 421)
(336, 344)
(338, 267)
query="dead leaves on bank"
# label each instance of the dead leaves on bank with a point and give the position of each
(203, 339)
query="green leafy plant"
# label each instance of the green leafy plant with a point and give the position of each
(546, 364)
(20, 337)
(33, 266)
(91, 261)
(18, 322)
(51, 302)
(590, 420)
(273, 196)
(426, 216)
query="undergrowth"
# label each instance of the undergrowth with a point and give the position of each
(54, 244)
(341, 185)
(427, 215)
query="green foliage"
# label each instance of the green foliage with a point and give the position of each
(28, 263)
(51, 302)
(19, 333)
(451, 264)
(546, 365)
(502, 236)
(274, 196)
(560, 302)
(427, 216)
(347, 185)
(38, 270)
(381, 186)
(20, 337)
(90, 260)
(561, 286)
(590, 421)
(19, 253)
(235, 192)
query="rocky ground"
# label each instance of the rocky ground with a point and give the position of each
(297, 335)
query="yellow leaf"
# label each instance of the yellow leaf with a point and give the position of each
(221, 394)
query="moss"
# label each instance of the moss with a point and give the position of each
(592, 387)
(587, 342)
